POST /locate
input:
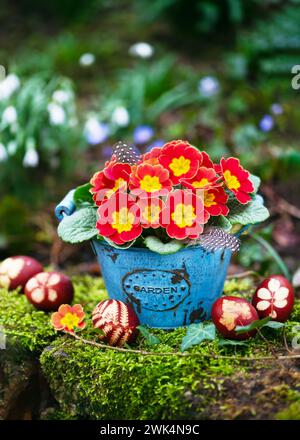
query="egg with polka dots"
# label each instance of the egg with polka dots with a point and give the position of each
(48, 290)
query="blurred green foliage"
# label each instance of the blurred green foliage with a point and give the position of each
(39, 134)
(245, 47)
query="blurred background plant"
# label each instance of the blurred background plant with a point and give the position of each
(39, 134)
(83, 75)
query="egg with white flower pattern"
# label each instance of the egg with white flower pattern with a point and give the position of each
(16, 271)
(49, 290)
(274, 297)
(228, 312)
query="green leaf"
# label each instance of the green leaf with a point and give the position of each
(118, 246)
(78, 227)
(82, 196)
(258, 323)
(156, 245)
(197, 333)
(274, 324)
(150, 338)
(221, 222)
(256, 182)
(253, 212)
(223, 342)
(273, 253)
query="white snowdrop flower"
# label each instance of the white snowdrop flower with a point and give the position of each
(120, 116)
(95, 132)
(57, 115)
(12, 147)
(141, 50)
(3, 153)
(8, 86)
(9, 115)
(208, 86)
(31, 159)
(87, 59)
(61, 96)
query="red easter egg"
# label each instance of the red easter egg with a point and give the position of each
(229, 312)
(16, 271)
(49, 290)
(117, 320)
(274, 297)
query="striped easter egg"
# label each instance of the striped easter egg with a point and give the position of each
(117, 321)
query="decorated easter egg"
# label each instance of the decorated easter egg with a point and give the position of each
(16, 271)
(229, 312)
(48, 290)
(274, 297)
(117, 321)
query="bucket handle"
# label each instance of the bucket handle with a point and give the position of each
(66, 206)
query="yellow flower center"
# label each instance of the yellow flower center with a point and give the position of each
(151, 213)
(200, 183)
(231, 180)
(209, 199)
(184, 215)
(70, 320)
(122, 220)
(119, 183)
(180, 165)
(150, 184)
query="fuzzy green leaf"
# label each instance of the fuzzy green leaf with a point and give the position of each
(197, 333)
(256, 182)
(82, 196)
(253, 212)
(78, 227)
(156, 245)
(118, 246)
(150, 338)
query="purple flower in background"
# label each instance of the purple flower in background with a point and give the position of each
(266, 123)
(142, 134)
(95, 131)
(276, 109)
(107, 151)
(156, 144)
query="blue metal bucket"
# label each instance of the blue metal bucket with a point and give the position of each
(166, 291)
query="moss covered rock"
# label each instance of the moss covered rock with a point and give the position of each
(26, 332)
(106, 384)
(86, 381)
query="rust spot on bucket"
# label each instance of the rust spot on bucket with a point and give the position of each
(111, 253)
(179, 274)
(198, 314)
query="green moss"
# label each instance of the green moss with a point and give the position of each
(104, 384)
(89, 382)
(290, 413)
(29, 328)
(101, 384)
